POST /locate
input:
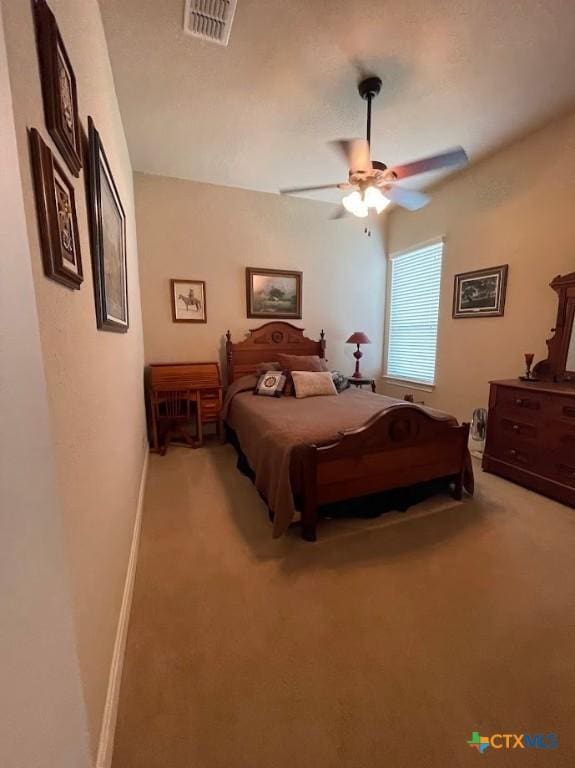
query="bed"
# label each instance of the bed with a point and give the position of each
(306, 453)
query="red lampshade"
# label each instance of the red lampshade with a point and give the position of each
(359, 337)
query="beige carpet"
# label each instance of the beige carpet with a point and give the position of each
(386, 643)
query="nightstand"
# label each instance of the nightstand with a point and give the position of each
(362, 382)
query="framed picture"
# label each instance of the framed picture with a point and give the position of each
(188, 301)
(273, 293)
(57, 220)
(58, 88)
(480, 293)
(108, 239)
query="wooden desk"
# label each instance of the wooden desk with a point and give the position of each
(199, 389)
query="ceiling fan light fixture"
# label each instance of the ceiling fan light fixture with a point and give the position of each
(355, 204)
(374, 199)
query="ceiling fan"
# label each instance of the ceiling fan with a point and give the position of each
(371, 183)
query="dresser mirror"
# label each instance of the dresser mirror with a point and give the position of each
(560, 362)
(570, 364)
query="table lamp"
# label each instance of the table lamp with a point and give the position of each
(359, 337)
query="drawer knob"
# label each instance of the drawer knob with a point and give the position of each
(516, 428)
(518, 401)
(513, 452)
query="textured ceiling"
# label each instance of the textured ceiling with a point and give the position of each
(259, 113)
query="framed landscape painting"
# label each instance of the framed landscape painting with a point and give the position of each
(188, 301)
(273, 293)
(108, 235)
(480, 293)
(57, 220)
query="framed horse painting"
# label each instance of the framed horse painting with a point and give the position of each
(188, 301)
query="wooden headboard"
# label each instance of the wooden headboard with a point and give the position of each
(264, 343)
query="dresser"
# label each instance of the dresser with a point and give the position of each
(531, 436)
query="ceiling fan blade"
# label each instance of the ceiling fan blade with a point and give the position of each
(406, 198)
(356, 154)
(297, 190)
(449, 159)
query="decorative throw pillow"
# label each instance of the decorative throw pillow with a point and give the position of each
(302, 362)
(313, 383)
(340, 380)
(291, 363)
(265, 367)
(271, 383)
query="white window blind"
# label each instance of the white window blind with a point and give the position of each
(413, 311)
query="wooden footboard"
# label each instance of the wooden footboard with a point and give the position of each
(400, 446)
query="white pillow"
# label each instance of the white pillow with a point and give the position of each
(313, 383)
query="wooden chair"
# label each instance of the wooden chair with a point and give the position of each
(172, 411)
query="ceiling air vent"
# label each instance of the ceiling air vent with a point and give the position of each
(209, 19)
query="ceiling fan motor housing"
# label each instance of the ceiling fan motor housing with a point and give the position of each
(369, 87)
(378, 177)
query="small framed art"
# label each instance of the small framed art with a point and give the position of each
(480, 293)
(108, 237)
(58, 88)
(188, 301)
(57, 219)
(273, 293)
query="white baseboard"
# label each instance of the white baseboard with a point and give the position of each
(106, 743)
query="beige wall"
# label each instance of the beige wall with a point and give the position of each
(42, 716)
(94, 378)
(211, 233)
(515, 208)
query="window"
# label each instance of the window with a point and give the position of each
(415, 278)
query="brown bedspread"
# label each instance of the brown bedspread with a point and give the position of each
(270, 430)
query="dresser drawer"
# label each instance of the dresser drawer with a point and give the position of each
(560, 436)
(519, 453)
(562, 470)
(563, 408)
(507, 426)
(514, 402)
(566, 442)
